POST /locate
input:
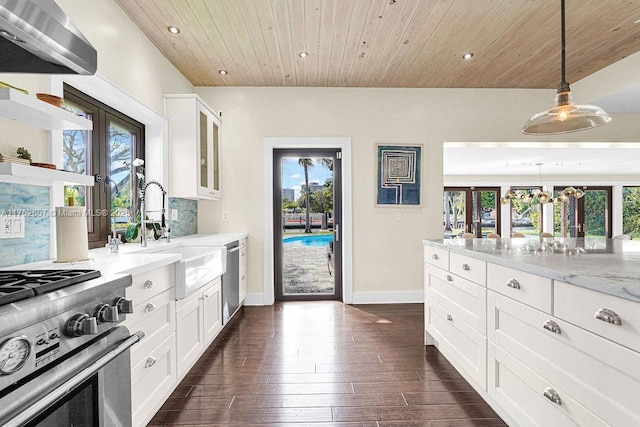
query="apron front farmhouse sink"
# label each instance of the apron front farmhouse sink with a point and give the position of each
(199, 265)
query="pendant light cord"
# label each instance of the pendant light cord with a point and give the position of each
(563, 86)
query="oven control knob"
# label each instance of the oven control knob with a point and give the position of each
(106, 313)
(81, 324)
(123, 305)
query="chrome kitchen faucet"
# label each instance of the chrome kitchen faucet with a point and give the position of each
(166, 232)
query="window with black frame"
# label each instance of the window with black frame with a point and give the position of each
(107, 153)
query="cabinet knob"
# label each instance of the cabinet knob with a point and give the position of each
(434, 256)
(513, 283)
(150, 362)
(449, 318)
(148, 284)
(552, 395)
(449, 278)
(466, 267)
(206, 296)
(608, 316)
(149, 307)
(552, 326)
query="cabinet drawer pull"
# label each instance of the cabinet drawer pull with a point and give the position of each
(513, 283)
(435, 256)
(552, 326)
(449, 278)
(466, 267)
(150, 362)
(449, 318)
(149, 307)
(552, 395)
(608, 316)
(243, 277)
(149, 284)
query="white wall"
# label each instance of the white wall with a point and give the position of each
(387, 254)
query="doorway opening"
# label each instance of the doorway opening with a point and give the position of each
(307, 215)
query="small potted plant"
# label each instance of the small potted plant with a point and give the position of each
(133, 229)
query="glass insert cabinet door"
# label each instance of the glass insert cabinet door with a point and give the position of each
(472, 210)
(208, 153)
(589, 216)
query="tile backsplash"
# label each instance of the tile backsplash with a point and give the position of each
(187, 222)
(33, 202)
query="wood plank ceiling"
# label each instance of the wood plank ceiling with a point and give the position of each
(387, 43)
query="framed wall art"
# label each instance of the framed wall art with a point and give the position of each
(398, 175)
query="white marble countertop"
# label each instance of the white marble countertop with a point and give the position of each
(132, 258)
(603, 265)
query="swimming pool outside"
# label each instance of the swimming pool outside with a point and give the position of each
(309, 240)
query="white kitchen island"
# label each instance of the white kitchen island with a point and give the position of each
(548, 332)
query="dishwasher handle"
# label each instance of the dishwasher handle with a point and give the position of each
(236, 249)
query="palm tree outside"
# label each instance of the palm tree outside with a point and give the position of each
(306, 163)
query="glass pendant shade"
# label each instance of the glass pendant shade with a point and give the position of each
(565, 117)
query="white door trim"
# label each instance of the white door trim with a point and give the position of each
(342, 143)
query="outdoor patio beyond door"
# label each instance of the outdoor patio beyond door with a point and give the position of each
(307, 216)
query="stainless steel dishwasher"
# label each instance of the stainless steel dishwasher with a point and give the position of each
(231, 282)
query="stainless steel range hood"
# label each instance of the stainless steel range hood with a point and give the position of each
(38, 37)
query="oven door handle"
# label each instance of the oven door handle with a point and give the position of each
(59, 392)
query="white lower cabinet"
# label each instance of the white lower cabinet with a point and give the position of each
(198, 322)
(152, 380)
(603, 376)
(153, 359)
(554, 354)
(527, 397)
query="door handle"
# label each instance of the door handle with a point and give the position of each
(337, 233)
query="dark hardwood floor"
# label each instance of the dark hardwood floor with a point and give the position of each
(325, 364)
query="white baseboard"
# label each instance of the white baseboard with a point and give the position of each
(388, 297)
(254, 299)
(359, 298)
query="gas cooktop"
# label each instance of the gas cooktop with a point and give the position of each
(17, 285)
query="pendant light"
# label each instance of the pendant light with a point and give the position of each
(565, 116)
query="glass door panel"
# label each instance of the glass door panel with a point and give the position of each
(455, 213)
(307, 216)
(485, 211)
(526, 212)
(588, 216)
(631, 211)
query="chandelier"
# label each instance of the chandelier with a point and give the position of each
(543, 196)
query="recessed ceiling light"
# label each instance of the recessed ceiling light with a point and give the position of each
(303, 54)
(467, 55)
(223, 72)
(173, 30)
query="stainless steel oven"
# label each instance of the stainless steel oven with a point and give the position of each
(64, 358)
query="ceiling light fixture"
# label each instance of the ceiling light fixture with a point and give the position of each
(467, 55)
(173, 30)
(565, 116)
(223, 72)
(543, 196)
(303, 54)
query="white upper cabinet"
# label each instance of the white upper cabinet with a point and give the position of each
(194, 150)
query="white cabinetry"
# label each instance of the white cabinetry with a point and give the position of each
(455, 312)
(194, 152)
(199, 320)
(555, 353)
(153, 360)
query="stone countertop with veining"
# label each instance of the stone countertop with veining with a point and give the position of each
(134, 259)
(604, 265)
